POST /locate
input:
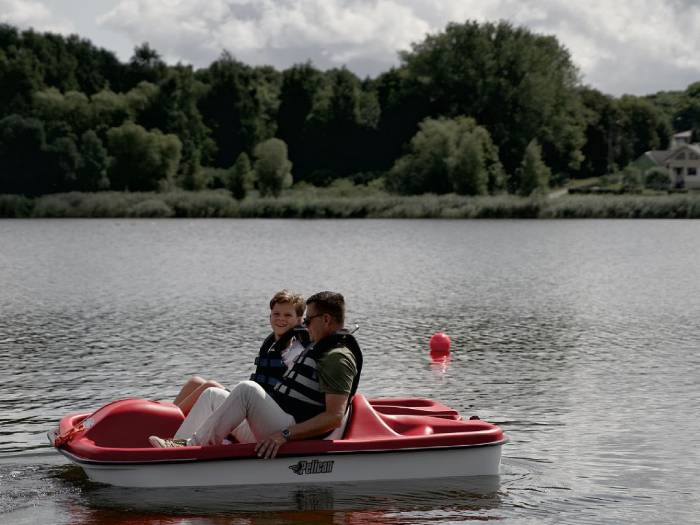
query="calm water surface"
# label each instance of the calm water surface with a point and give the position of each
(579, 338)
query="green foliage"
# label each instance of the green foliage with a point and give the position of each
(63, 97)
(657, 179)
(23, 162)
(241, 177)
(631, 179)
(534, 173)
(15, 206)
(20, 77)
(601, 151)
(448, 155)
(642, 127)
(272, 168)
(300, 94)
(235, 107)
(516, 84)
(92, 173)
(140, 158)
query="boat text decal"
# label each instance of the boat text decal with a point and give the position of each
(312, 467)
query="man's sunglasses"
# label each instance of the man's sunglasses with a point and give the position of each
(307, 320)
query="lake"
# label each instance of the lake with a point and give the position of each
(579, 338)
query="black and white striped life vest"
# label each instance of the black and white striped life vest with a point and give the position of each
(269, 366)
(299, 392)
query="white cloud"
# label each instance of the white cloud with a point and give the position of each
(26, 13)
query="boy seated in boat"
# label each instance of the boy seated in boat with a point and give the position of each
(309, 401)
(276, 355)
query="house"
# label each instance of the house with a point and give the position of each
(682, 161)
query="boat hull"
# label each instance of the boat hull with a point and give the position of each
(483, 460)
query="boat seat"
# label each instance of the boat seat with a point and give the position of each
(366, 422)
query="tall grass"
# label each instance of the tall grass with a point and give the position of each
(344, 202)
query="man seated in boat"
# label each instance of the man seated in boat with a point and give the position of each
(310, 400)
(276, 356)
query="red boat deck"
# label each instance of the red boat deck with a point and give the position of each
(118, 432)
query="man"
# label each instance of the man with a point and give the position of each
(309, 401)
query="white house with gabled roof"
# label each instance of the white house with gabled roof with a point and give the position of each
(682, 161)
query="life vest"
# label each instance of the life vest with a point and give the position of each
(269, 366)
(299, 391)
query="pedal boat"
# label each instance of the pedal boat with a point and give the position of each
(383, 439)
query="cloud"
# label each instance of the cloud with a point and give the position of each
(362, 34)
(636, 46)
(25, 14)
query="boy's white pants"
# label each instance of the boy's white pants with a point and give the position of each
(247, 411)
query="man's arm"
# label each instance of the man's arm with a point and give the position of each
(317, 425)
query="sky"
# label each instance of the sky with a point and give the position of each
(634, 47)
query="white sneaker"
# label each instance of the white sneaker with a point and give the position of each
(158, 442)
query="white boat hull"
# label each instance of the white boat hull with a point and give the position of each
(327, 468)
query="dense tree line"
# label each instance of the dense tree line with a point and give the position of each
(475, 109)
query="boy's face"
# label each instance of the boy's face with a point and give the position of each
(283, 317)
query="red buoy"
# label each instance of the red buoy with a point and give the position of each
(439, 343)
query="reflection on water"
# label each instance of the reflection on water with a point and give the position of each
(465, 493)
(75, 500)
(580, 338)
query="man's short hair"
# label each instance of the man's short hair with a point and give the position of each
(331, 303)
(287, 297)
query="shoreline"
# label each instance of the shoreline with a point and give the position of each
(380, 205)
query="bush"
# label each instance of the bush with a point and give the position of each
(631, 179)
(15, 206)
(272, 167)
(150, 208)
(657, 179)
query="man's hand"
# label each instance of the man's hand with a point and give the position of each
(268, 447)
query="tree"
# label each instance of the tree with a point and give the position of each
(92, 173)
(20, 77)
(272, 168)
(448, 155)
(534, 173)
(657, 179)
(241, 177)
(516, 84)
(141, 159)
(146, 64)
(173, 109)
(233, 108)
(300, 93)
(601, 151)
(643, 127)
(22, 156)
(687, 115)
(64, 160)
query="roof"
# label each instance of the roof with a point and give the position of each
(659, 156)
(683, 134)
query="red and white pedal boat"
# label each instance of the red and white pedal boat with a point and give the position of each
(384, 439)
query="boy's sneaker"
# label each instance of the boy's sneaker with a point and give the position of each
(158, 442)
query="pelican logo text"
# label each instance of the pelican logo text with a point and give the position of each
(312, 467)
